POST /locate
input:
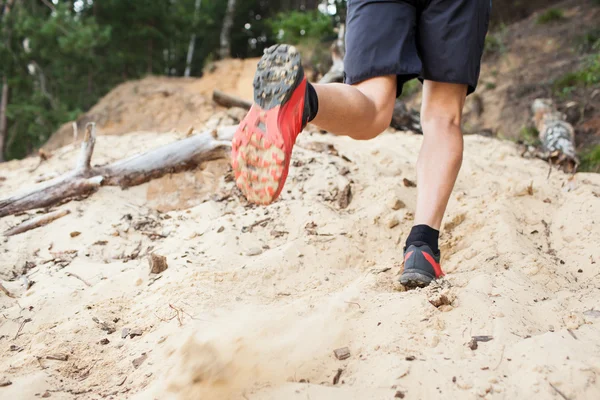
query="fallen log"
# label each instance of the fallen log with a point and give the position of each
(556, 135)
(229, 101)
(36, 222)
(175, 157)
(338, 51)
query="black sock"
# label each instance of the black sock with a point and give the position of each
(312, 102)
(424, 234)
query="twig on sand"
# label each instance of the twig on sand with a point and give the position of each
(36, 222)
(501, 357)
(21, 327)
(561, 394)
(80, 278)
(179, 311)
(6, 292)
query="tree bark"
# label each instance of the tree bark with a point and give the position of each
(226, 100)
(84, 180)
(556, 134)
(192, 46)
(225, 50)
(338, 51)
(3, 120)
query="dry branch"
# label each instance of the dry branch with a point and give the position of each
(338, 51)
(175, 157)
(229, 101)
(36, 222)
(556, 134)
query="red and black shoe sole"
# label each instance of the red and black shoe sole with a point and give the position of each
(262, 145)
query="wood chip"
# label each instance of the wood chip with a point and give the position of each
(337, 376)
(408, 183)
(58, 357)
(399, 395)
(139, 361)
(125, 333)
(75, 234)
(345, 197)
(342, 353)
(472, 344)
(396, 204)
(135, 332)
(483, 338)
(158, 263)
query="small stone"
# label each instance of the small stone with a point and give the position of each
(46, 394)
(157, 263)
(396, 204)
(135, 332)
(104, 342)
(73, 234)
(399, 395)
(221, 229)
(410, 358)
(125, 333)
(255, 251)
(342, 353)
(139, 361)
(472, 344)
(393, 222)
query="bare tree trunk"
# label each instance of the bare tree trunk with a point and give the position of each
(3, 122)
(225, 51)
(190, 54)
(84, 180)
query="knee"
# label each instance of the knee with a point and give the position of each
(383, 110)
(371, 131)
(439, 123)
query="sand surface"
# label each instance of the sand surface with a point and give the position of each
(256, 299)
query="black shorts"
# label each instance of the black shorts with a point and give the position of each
(437, 40)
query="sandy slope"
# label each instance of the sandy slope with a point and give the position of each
(262, 309)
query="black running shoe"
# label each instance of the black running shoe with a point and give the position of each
(421, 266)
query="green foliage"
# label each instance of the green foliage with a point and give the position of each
(550, 15)
(585, 77)
(590, 160)
(490, 85)
(410, 88)
(296, 27)
(529, 135)
(589, 41)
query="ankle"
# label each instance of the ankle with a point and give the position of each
(424, 234)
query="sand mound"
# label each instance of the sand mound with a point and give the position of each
(256, 299)
(162, 104)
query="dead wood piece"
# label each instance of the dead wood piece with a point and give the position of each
(175, 157)
(338, 51)
(58, 357)
(157, 263)
(342, 353)
(229, 101)
(6, 292)
(556, 134)
(5, 382)
(345, 197)
(80, 278)
(405, 119)
(36, 222)
(337, 376)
